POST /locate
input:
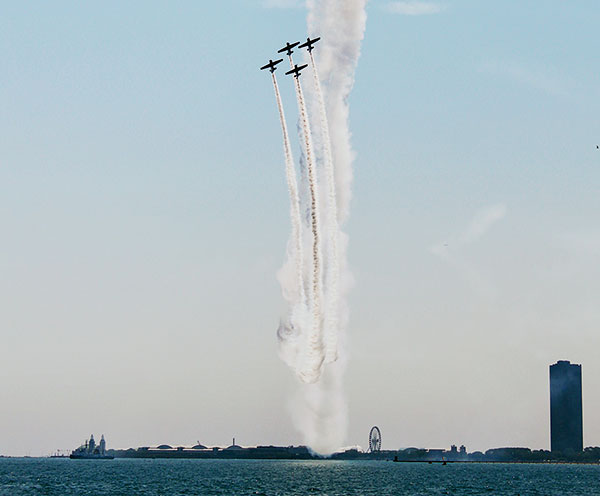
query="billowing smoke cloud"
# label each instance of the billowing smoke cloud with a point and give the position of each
(319, 410)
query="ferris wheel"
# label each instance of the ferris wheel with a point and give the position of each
(374, 440)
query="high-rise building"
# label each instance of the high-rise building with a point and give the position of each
(566, 415)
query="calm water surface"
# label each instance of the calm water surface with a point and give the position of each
(64, 477)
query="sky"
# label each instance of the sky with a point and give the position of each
(144, 215)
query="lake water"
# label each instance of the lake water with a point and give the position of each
(64, 477)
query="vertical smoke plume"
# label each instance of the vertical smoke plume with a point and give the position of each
(320, 411)
(313, 358)
(341, 23)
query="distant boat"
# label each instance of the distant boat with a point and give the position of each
(58, 454)
(89, 451)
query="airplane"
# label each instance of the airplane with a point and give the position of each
(309, 44)
(296, 70)
(272, 65)
(288, 48)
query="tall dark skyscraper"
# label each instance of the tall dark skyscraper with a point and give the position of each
(566, 416)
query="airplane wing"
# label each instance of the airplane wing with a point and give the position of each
(271, 65)
(288, 47)
(296, 70)
(309, 43)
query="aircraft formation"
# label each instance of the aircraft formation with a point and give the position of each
(288, 49)
(309, 337)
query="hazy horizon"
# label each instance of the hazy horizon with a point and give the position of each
(144, 216)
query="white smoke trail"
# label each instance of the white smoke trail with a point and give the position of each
(313, 357)
(290, 173)
(332, 273)
(294, 292)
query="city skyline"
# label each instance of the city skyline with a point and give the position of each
(566, 422)
(144, 214)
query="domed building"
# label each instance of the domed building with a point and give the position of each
(234, 446)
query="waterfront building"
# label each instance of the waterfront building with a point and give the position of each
(566, 412)
(89, 450)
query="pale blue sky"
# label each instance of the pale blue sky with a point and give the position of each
(143, 213)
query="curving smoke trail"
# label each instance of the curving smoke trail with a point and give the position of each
(332, 272)
(310, 369)
(299, 298)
